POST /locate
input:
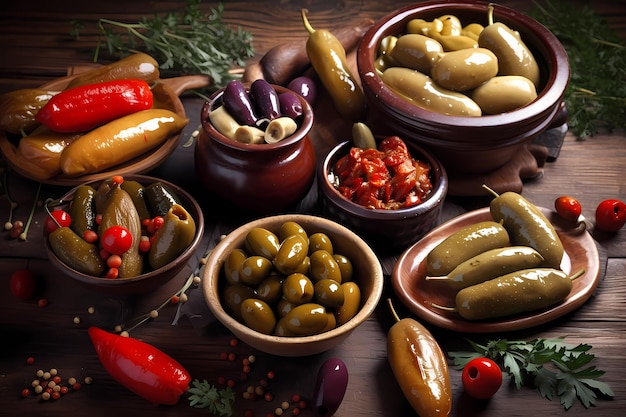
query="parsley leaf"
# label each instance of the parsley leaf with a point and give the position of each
(205, 395)
(550, 365)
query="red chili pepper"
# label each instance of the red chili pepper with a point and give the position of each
(86, 107)
(141, 367)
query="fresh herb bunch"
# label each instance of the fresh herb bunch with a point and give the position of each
(205, 395)
(550, 365)
(596, 95)
(188, 41)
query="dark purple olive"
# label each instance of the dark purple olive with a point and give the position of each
(290, 105)
(238, 103)
(332, 381)
(304, 86)
(265, 99)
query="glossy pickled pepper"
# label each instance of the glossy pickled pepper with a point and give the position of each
(328, 58)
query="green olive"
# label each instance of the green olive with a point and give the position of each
(422, 91)
(258, 315)
(345, 266)
(298, 288)
(291, 228)
(465, 69)
(306, 319)
(351, 303)
(504, 93)
(324, 266)
(232, 264)
(415, 51)
(281, 330)
(254, 269)
(332, 322)
(270, 289)
(320, 241)
(328, 293)
(283, 307)
(262, 242)
(304, 267)
(232, 297)
(292, 252)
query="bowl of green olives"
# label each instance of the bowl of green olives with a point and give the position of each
(123, 235)
(292, 285)
(446, 76)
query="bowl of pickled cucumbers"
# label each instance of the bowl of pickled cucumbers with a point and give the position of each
(473, 82)
(292, 285)
(123, 235)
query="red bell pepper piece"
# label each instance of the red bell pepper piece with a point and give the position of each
(141, 367)
(86, 107)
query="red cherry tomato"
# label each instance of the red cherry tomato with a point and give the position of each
(23, 284)
(481, 378)
(611, 215)
(568, 207)
(116, 240)
(61, 217)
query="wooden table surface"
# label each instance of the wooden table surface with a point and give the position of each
(36, 48)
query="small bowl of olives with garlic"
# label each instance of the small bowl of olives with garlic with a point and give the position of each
(292, 285)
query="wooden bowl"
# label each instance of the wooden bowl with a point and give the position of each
(166, 96)
(385, 230)
(471, 145)
(148, 281)
(367, 273)
(259, 178)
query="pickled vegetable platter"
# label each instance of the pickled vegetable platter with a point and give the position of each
(422, 297)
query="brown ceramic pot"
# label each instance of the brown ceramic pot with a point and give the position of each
(467, 144)
(264, 178)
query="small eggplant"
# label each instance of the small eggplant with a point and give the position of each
(265, 99)
(239, 104)
(290, 105)
(305, 86)
(330, 387)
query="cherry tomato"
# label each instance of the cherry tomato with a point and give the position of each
(61, 217)
(611, 215)
(116, 240)
(568, 207)
(23, 284)
(481, 378)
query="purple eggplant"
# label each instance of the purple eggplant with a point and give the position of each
(265, 99)
(238, 103)
(332, 381)
(290, 105)
(304, 86)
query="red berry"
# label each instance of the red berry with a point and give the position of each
(116, 239)
(23, 284)
(568, 207)
(62, 218)
(481, 378)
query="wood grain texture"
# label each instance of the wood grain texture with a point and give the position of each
(36, 48)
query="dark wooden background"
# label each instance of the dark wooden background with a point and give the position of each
(36, 47)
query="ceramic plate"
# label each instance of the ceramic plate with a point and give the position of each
(417, 294)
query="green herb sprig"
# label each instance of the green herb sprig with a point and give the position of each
(596, 96)
(204, 395)
(188, 41)
(550, 365)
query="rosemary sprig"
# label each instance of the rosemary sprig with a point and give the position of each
(188, 41)
(596, 96)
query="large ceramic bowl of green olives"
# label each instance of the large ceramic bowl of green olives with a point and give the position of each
(123, 235)
(473, 82)
(292, 285)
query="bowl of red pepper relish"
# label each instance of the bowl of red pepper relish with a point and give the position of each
(467, 144)
(391, 196)
(174, 238)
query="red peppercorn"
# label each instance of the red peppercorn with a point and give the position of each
(30, 360)
(25, 392)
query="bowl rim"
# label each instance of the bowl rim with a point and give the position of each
(212, 273)
(557, 60)
(114, 283)
(439, 177)
(301, 133)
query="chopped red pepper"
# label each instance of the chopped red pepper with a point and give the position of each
(383, 178)
(141, 367)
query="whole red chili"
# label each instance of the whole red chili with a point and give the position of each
(140, 367)
(83, 108)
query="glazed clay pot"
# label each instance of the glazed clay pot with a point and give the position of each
(468, 145)
(263, 178)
